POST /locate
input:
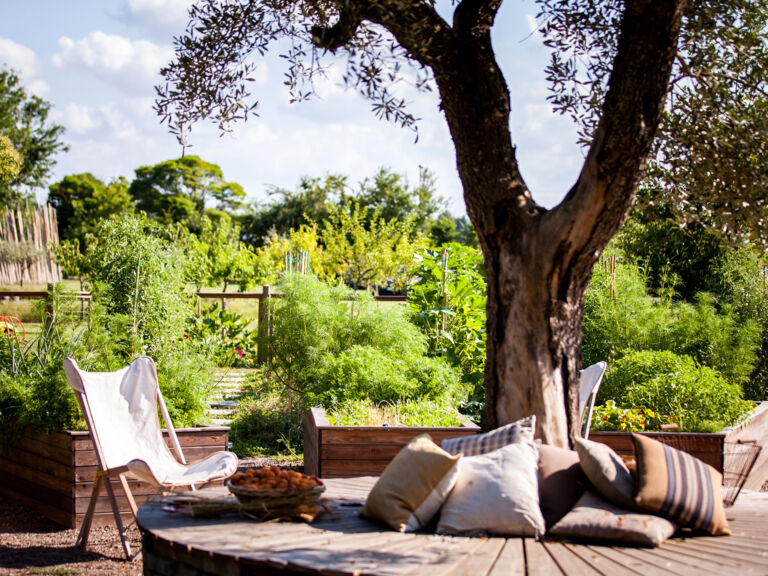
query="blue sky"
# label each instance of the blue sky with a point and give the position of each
(97, 63)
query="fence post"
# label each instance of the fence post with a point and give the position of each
(262, 355)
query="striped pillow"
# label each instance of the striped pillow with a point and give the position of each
(520, 431)
(679, 487)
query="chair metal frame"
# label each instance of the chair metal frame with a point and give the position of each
(104, 474)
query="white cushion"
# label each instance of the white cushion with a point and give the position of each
(495, 493)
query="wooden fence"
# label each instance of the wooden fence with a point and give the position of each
(25, 234)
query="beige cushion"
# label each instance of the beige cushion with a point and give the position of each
(561, 482)
(607, 472)
(413, 486)
(520, 431)
(595, 519)
(679, 486)
(495, 493)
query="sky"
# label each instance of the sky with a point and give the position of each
(97, 63)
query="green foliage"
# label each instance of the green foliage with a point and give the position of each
(364, 249)
(676, 389)
(265, 425)
(228, 336)
(181, 190)
(447, 228)
(33, 387)
(24, 121)
(220, 256)
(81, 200)
(447, 303)
(419, 412)
(138, 274)
(612, 418)
(620, 316)
(711, 141)
(328, 350)
(11, 161)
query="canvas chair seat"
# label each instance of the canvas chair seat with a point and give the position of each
(120, 409)
(589, 384)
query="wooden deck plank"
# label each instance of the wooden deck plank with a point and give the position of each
(570, 563)
(451, 552)
(638, 566)
(481, 561)
(716, 558)
(538, 562)
(511, 560)
(676, 563)
(602, 564)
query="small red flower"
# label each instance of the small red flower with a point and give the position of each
(239, 352)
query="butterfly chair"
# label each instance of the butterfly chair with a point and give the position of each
(589, 383)
(120, 409)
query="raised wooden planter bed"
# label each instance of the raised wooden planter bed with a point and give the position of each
(53, 472)
(348, 451)
(708, 447)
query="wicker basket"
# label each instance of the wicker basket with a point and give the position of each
(264, 504)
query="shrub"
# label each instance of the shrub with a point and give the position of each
(267, 426)
(609, 416)
(403, 413)
(326, 349)
(676, 389)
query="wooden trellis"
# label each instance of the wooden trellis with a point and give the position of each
(25, 234)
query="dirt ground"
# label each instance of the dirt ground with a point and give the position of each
(32, 544)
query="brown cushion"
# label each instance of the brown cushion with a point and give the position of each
(607, 472)
(561, 482)
(413, 486)
(595, 519)
(679, 486)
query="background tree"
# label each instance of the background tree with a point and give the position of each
(181, 190)
(24, 121)
(290, 209)
(81, 200)
(538, 262)
(10, 160)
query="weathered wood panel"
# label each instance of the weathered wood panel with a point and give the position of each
(53, 472)
(344, 544)
(706, 447)
(347, 451)
(755, 428)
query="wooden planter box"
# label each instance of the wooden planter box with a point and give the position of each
(708, 447)
(348, 451)
(53, 472)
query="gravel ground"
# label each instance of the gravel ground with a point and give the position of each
(32, 544)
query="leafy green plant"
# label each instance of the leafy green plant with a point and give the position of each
(611, 417)
(139, 274)
(419, 412)
(330, 345)
(447, 302)
(676, 389)
(621, 316)
(265, 425)
(227, 334)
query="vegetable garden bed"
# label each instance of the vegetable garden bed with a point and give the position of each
(348, 451)
(53, 472)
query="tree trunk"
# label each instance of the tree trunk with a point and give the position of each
(538, 263)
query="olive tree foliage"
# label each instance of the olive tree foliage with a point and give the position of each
(538, 261)
(708, 161)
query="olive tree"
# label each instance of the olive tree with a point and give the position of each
(538, 261)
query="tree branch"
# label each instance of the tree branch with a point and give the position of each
(334, 37)
(475, 16)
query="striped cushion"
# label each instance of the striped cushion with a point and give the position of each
(679, 487)
(520, 431)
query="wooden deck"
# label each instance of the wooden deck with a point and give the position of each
(342, 543)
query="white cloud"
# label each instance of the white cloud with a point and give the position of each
(24, 62)
(133, 65)
(79, 119)
(162, 18)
